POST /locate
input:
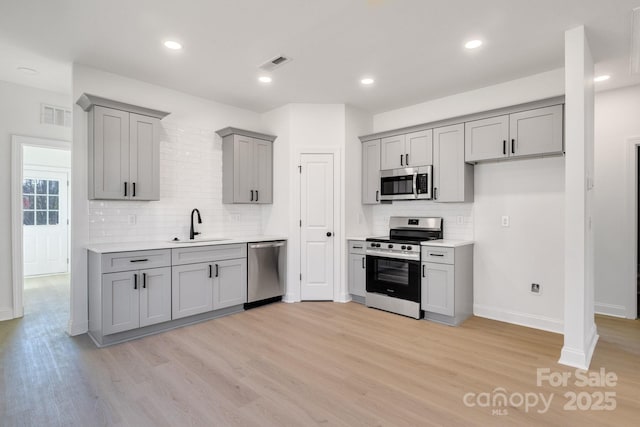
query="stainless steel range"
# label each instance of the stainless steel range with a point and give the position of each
(393, 264)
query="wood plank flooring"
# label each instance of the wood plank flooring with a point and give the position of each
(297, 365)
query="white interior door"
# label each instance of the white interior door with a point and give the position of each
(316, 234)
(44, 222)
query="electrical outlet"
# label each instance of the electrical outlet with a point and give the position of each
(459, 220)
(505, 220)
(235, 217)
(536, 288)
(132, 220)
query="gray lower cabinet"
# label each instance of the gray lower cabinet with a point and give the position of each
(135, 293)
(357, 270)
(247, 166)
(452, 177)
(123, 148)
(371, 172)
(447, 283)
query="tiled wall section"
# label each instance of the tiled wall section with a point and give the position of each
(190, 177)
(379, 221)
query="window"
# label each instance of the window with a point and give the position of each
(40, 201)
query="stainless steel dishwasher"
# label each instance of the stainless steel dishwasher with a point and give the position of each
(267, 271)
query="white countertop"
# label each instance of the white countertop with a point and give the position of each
(447, 243)
(358, 238)
(103, 248)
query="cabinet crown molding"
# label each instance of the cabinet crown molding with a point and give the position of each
(249, 133)
(466, 118)
(88, 101)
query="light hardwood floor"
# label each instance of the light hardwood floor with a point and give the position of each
(297, 365)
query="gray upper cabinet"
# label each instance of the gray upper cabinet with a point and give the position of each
(124, 150)
(522, 134)
(247, 166)
(371, 172)
(393, 152)
(452, 177)
(486, 139)
(408, 150)
(536, 132)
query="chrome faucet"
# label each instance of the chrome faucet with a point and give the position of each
(192, 232)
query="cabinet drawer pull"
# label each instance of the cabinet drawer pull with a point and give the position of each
(357, 247)
(144, 280)
(135, 281)
(436, 254)
(139, 260)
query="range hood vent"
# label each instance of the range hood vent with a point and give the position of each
(275, 62)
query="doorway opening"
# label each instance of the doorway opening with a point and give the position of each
(41, 171)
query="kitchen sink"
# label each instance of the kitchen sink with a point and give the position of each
(203, 240)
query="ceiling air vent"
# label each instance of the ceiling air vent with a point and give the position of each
(274, 63)
(635, 41)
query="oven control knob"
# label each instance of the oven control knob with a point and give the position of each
(408, 248)
(403, 247)
(390, 246)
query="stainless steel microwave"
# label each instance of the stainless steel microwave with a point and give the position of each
(406, 183)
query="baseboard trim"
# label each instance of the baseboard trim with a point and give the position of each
(613, 310)
(519, 318)
(578, 358)
(78, 328)
(6, 314)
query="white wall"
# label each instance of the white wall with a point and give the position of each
(38, 156)
(617, 118)
(19, 114)
(357, 123)
(191, 175)
(506, 260)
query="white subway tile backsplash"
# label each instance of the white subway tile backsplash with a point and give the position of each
(190, 177)
(379, 216)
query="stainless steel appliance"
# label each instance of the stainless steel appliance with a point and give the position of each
(393, 264)
(406, 183)
(266, 272)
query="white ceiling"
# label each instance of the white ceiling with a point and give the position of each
(413, 48)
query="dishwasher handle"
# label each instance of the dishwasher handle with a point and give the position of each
(265, 245)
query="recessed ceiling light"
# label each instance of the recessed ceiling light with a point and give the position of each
(173, 45)
(28, 70)
(265, 79)
(602, 78)
(367, 81)
(472, 44)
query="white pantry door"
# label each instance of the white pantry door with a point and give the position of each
(44, 222)
(316, 234)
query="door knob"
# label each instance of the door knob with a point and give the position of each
(328, 234)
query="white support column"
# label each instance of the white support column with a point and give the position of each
(580, 334)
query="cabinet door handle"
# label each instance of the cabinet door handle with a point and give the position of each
(125, 189)
(513, 146)
(210, 273)
(406, 159)
(423, 275)
(252, 195)
(135, 281)
(377, 195)
(257, 195)
(217, 272)
(133, 192)
(504, 147)
(401, 160)
(363, 266)
(144, 280)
